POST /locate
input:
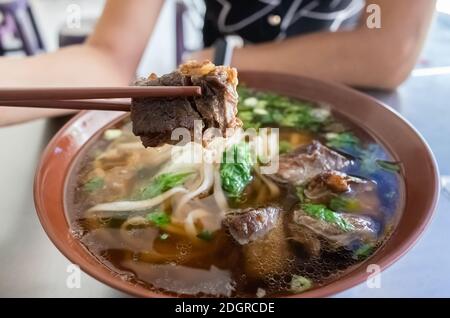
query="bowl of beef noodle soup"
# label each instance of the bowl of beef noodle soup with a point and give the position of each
(354, 185)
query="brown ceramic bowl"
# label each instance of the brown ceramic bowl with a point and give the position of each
(399, 138)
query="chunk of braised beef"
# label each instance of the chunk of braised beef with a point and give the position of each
(304, 163)
(310, 232)
(247, 225)
(329, 184)
(154, 119)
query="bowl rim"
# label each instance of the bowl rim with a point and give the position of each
(348, 280)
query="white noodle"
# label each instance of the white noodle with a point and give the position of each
(136, 205)
(219, 196)
(273, 188)
(208, 176)
(209, 220)
(187, 210)
(133, 221)
(193, 216)
(183, 158)
(128, 146)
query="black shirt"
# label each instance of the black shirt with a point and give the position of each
(268, 20)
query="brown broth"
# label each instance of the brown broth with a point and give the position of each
(179, 265)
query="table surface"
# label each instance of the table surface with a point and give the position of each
(32, 267)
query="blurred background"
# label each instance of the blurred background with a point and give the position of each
(56, 25)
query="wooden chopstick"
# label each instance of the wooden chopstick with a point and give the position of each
(112, 105)
(74, 93)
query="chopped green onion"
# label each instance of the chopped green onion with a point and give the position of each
(260, 111)
(260, 293)
(299, 284)
(112, 134)
(246, 115)
(363, 252)
(321, 114)
(388, 166)
(342, 140)
(269, 108)
(164, 236)
(159, 218)
(345, 204)
(250, 101)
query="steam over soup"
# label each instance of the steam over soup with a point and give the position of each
(209, 228)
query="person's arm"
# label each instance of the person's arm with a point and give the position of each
(109, 57)
(377, 58)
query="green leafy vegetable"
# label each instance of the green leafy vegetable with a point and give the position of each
(368, 162)
(345, 204)
(205, 236)
(162, 183)
(94, 184)
(159, 218)
(300, 284)
(236, 169)
(342, 140)
(369, 156)
(363, 252)
(371, 161)
(321, 212)
(388, 166)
